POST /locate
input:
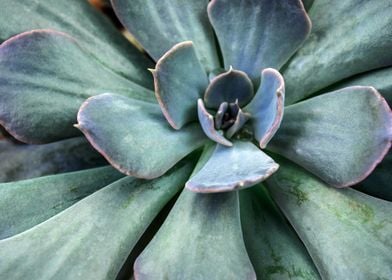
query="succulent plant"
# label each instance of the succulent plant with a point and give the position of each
(268, 112)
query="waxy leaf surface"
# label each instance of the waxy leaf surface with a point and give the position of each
(273, 246)
(348, 37)
(160, 24)
(180, 80)
(232, 168)
(93, 238)
(266, 108)
(347, 233)
(134, 136)
(207, 242)
(230, 86)
(44, 78)
(78, 18)
(207, 123)
(258, 34)
(339, 136)
(27, 203)
(21, 161)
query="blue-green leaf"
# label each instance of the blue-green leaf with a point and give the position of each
(79, 19)
(339, 136)
(44, 77)
(232, 168)
(347, 233)
(348, 37)
(258, 34)
(230, 86)
(134, 136)
(28, 161)
(179, 81)
(92, 238)
(379, 184)
(273, 246)
(266, 108)
(25, 204)
(200, 239)
(207, 123)
(160, 24)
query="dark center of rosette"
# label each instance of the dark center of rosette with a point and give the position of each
(220, 113)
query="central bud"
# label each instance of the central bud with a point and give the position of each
(220, 113)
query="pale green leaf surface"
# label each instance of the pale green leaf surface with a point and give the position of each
(179, 80)
(200, 239)
(160, 24)
(340, 136)
(231, 168)
(348, 37)
(44, 78)
(79, 19)
(27, 203)
(92, 238)
(273, 247)
(21, 161)
(380, 79)
(258, 34)
(346, 232)
(134, 136)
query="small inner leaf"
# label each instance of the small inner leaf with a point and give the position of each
(207, 124)
(228, 87)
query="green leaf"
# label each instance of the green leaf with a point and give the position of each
(378, 184)
(134, 136)
(180, 80)
(267, 106)
(44, 78)
(206, 121)
(229, 86)
(381, 79)
(273, 247)
(347, 233)
(339, 136)
(200, 239)
(348, 37)
(258, 34)
(92, 238)
(27, 203)
(231, 168)
(79, 19)
(28, 161)
(159, 25)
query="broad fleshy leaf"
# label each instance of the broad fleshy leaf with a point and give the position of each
(207, 123)
(380, 79)
(339, 136)
(273, 247)
(160, 24)
(92, 238)
(378, 184)
(229, 87)
(44, 78)
(348, 37)
(134, 135)
(25, 204)
(347, 233)
(232, 168)
(79, 19)
(200, 239)
(267, 106)
(179, 81)
(258, 34)
(20, 162)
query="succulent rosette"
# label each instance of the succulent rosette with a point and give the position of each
(246, 151)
